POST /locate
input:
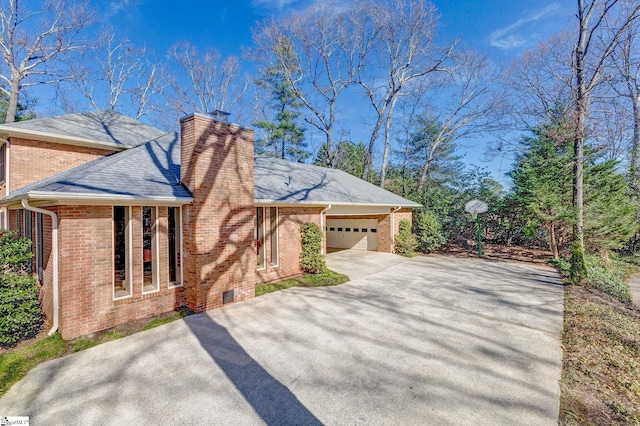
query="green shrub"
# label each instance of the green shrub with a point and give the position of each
(578, 270)
(608, 276)
(405, 243)
(20, 313)
(15, 253)
(311, 259)
(428, 232)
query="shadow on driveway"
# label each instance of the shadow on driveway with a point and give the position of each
(270, 399)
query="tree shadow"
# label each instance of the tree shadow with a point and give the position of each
(269, 398)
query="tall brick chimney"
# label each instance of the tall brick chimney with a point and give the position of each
(219, 225)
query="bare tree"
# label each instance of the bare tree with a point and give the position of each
(593, 48)
(625, 82)
(203, 82)
(33, 43)
(403, 50)
(540, 83)
(318, 55)
(114, 74)
(468, 107)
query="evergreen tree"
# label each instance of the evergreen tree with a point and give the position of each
(543, 187)
(23, 112)
(284, 136)
(348, 157)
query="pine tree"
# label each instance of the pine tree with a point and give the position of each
(543, 186)
(284, 136)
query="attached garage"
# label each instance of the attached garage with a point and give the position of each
(353, 213)
(360, 234)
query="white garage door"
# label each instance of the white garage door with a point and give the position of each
(361, 234)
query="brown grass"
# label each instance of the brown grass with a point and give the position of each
(601, 369)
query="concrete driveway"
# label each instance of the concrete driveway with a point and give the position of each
(427, 341)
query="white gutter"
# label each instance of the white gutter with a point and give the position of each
(393, 228)
(323, 220)
(54, 255)
(7, 169)
(129, 200)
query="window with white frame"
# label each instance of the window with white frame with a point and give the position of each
(174, 236)
(260, 237)
(3, 151)
(20, 221)
(150, 281)
(273, 236)
(40, 246)
(121, 251)
(28, 234)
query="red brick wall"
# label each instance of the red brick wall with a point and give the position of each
(86, 272)
(385, 234)
(32, 160)
(289, 221)
(217, 165)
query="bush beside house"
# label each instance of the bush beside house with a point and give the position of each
(20, 314)
(405, 243)
(311, 259)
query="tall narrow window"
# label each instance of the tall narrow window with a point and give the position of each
(174, 233)
(20, 221)
(260, 236)
(149, 250)
(2, 216)
(40, 246)
(121, 250)
(273, 218)
(3, 150)
(28, 234)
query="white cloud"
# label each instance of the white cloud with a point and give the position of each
(518, 34)
(113, 7)
(273, 4)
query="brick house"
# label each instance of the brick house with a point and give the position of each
(128, 221)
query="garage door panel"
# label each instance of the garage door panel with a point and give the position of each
(359, 234)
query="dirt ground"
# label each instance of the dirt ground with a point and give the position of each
(498, 252)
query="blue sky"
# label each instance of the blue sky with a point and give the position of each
(501, 28)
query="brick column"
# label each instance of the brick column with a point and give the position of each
(219, 225)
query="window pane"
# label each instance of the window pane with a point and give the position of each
(121, 251)
(28, 234)
(273, 217)
(20, 221)
(120, 245)
(174, 245)
(260, 236)
(149, 281)
(2, 168)
(40, 246)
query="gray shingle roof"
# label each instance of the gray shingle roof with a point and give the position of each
(148, 171)
(151, 169)
(283, 181)
(103, 127)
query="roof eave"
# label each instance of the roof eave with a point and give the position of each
(6, 132)
(259, 202)
(51, 198)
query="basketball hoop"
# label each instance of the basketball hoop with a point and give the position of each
(474, 207)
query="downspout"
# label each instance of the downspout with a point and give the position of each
(393, 229)
(54, 255)
(322, 226)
